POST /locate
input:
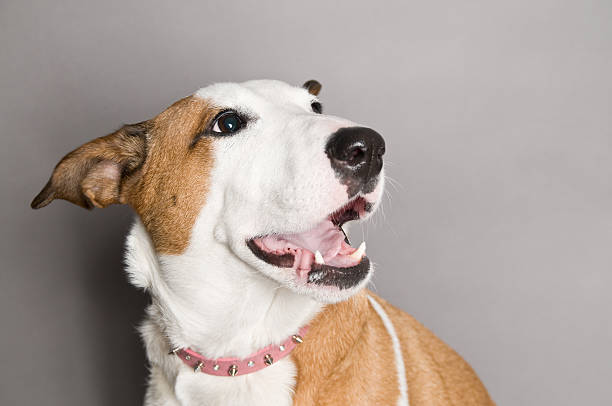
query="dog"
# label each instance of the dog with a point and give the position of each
(257, 297)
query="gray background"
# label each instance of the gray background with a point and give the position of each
(498, 228)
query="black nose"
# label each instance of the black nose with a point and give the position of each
(356, 156)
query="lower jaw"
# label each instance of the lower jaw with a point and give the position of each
(318, 274)
(342, 278)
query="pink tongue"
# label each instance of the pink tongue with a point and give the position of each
(325, 237)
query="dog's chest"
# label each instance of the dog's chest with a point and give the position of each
(271, 386)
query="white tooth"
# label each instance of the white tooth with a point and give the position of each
(319, 258)
(357, 255)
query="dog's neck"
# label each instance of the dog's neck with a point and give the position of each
(215, 303)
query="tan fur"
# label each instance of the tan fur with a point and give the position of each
(152, 166)
(174, 183)
(312, 86)
(347, 359)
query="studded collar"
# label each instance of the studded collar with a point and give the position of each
(240, 366)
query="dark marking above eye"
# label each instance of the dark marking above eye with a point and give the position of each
(316, 107)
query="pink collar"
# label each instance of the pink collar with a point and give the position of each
(236, 366)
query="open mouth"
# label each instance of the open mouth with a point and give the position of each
(321, 255)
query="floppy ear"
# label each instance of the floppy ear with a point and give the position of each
(96, 173)
(313, 87)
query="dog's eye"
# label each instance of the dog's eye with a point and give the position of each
(227, 123)
(316, 107)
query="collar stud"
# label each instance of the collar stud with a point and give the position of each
(233, 370)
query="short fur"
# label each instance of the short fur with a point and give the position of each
(198, 198)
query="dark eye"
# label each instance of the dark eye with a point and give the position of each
(316, 107)
(228, 122)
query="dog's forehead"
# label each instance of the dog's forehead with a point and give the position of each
(255, 93)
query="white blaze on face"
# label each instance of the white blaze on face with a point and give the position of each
(273, 176)
(276, 166)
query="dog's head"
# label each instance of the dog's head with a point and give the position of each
(254, 167)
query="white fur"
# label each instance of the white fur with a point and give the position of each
(217, 297)
(402, 400)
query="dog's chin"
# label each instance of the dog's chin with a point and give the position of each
(323, 293)
(319, 262)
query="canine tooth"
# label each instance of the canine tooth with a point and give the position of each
(319, 258)
(357, 255)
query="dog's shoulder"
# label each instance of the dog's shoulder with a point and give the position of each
(435, 373)
(366, 351)
(345, 358)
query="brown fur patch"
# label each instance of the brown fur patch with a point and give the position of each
(174, 182)
(436, 374)
(347, 359)
(312, 86)
(154, 166)
(92, 174)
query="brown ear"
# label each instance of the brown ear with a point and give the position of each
(95, 173)
(313, 87)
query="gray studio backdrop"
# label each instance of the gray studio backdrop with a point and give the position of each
(497, 230)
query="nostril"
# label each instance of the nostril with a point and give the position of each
(356, 155)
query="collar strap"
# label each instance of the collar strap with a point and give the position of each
(240, 366)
